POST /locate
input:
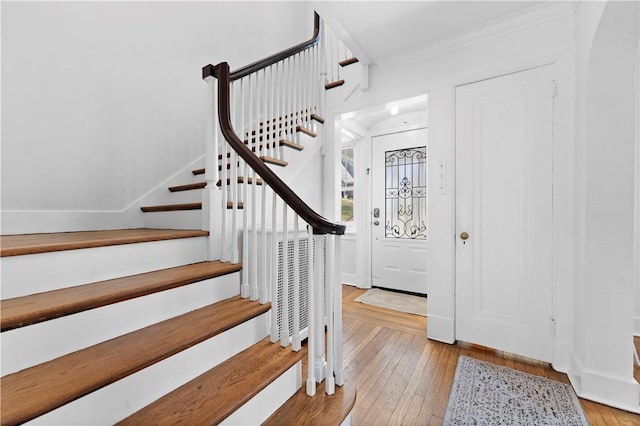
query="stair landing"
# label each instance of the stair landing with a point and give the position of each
(14, 245)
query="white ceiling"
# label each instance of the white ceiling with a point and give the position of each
(383, 28)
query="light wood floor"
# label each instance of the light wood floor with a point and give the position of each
(403, 378)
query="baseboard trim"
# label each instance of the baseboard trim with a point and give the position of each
(440, 328)
(595, 386)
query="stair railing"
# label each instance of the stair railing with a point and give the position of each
(259, 110)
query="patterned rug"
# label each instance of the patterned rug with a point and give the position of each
(393, 300)
(487, 394)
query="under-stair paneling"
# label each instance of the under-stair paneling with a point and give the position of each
(37, 343)
(124, 397)
(74, 267)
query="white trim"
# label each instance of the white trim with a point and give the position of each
(618, 392)
(439, 328)
(500, 27)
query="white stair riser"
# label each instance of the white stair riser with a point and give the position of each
(61, 269)
(180, 197)
(266, 402)
(184, 219)
(121, 399)
(37, 343)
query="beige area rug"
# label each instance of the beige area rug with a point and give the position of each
(393, 300)
(487, 394)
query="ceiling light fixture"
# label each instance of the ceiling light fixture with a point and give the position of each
(394, 110)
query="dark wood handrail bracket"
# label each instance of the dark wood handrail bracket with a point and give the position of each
(224, 76)
(319, 224)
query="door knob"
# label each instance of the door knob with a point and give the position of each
(376, 223)
(464, 236)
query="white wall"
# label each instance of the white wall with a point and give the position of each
(101, 101)
(606, 118)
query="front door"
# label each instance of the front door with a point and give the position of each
(399, 201)
(504, 213)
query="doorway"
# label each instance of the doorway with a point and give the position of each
(504, 233)
(399, 211)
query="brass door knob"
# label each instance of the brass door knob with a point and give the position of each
(464, 236)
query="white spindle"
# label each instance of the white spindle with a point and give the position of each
(253, 293)
(245, 289)
(274, 270)
(264, 278)
(338, 358)
(233, 184)
(296, 343)
(319, 362)
(330, 385)
(311, 328)
(284, 329)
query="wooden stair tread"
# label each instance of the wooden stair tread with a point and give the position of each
(289, 144)
(333, 84)
(172, 207)
(14, 245)
(214, 395)
(274, 161)
(306, 131)
(197, 172)
(321, 409)
(348, 61)
(317, 118)
(35, 308)
(188, 187)
(34, 391)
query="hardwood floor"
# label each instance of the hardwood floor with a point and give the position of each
(402, 378)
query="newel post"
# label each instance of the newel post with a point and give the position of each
(212, 195)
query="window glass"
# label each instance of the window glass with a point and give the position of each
(347, 184)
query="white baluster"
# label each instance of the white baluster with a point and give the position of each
(311, 323)
(296, 342)
(330, 385)
(264, 277)
(319, 362)
(254, 206)
(339, 367)
(246, 267)
(274, 271)
(222, 166)
(233, 172)
(284, 329)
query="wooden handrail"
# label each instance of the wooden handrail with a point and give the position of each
(208, 70)
(319, 224)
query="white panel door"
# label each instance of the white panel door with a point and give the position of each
(504, 213)
(399, 201)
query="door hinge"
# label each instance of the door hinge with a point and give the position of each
(554, 89)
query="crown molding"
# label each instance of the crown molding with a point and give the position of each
(536, 15)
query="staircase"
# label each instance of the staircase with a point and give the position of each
(164, 325)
